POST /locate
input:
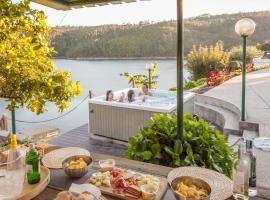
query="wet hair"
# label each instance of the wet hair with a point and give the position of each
(107, 94)
(129, 95)
(146, 85)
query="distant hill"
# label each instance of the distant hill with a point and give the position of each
(154, 39)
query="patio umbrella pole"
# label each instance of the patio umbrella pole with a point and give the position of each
(179, 59)
(13, 121)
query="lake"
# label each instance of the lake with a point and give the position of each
(97, 76)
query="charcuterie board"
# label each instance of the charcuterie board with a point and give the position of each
(121, 193)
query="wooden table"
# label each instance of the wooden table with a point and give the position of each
(59, 181)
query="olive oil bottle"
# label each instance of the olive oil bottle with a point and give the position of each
(32, 160)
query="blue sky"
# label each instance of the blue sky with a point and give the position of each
(155, 10)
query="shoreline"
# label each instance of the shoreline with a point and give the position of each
(109, 58)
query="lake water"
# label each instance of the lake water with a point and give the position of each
(97, 76)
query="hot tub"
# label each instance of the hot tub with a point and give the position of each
(121, 120)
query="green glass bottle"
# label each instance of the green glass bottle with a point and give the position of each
(32, 165)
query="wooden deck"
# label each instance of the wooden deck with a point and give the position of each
(79, 137)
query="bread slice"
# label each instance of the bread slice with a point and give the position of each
(134, 190)
(131, 197)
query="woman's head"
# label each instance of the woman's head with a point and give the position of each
(109, 95)
(145, 88)
(131, 95)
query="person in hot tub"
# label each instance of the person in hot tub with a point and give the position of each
(122, 98)
(145, 90)
(131, 96)
(109, 95)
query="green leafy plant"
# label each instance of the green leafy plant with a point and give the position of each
(136, 81)
(195, 83)
(191, 84)
(203, 145)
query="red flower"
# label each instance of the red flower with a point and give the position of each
(212, 73)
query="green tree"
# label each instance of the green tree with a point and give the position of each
(28, 77)
(252, 52)
(201, 60)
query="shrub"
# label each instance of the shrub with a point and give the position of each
(237, 53)
(202, 145)
(234, 65)
(265, 46)
(195, 83)
(201, 60)
(191, 84)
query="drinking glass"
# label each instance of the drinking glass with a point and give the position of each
(12, 176)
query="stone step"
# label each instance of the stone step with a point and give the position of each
(247, 134)
(204, 99)
(232, 141)
(220, 116)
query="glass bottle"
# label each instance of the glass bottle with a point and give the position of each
(252, 168)
(32, 159)
(13, 153)
(240, 174)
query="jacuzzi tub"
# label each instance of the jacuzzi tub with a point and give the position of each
(121, 120)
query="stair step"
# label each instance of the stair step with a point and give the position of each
(220, 116)
(247, 134)
(200, 98)
(232, 141)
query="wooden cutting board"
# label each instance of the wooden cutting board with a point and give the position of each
(161, 191)
(31, 191)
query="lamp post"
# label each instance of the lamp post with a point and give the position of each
(148, 67)
(244, 28)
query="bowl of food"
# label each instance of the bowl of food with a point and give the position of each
(149, 191)
(190, 188)
(106, 165)
(77, 166)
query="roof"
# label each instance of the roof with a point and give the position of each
(71, 4)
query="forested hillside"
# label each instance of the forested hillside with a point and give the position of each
(154, 39)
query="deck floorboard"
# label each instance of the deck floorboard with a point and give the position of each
(79, 137)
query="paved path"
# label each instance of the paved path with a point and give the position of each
(257, 97)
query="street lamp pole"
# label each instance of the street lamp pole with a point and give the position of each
(243, 113)
(179, 71)
(244, 28)
(149, 77)
(149, 68)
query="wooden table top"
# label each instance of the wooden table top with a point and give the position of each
(59, 181)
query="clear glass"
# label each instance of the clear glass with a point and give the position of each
(12, 176)
(245, 27)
